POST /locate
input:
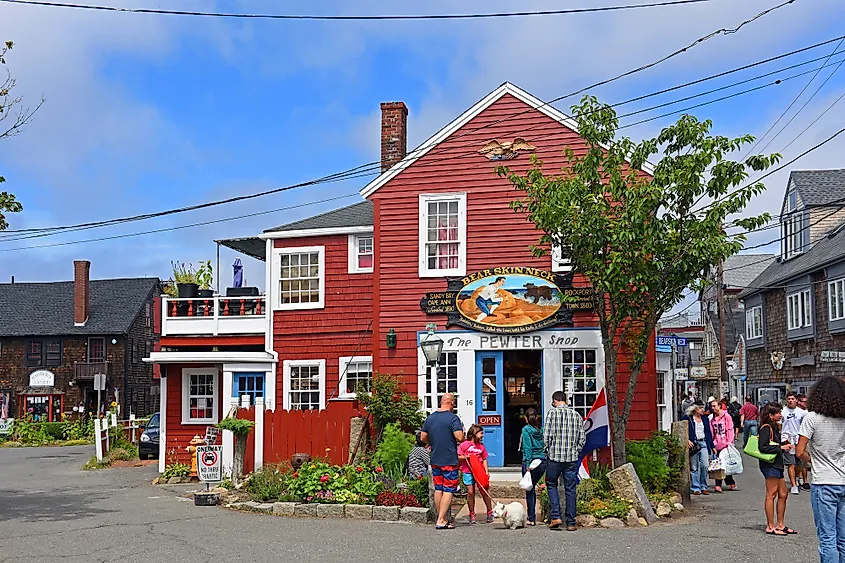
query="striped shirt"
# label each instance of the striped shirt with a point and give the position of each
(418, 461)
(563, 434)
(826, 446)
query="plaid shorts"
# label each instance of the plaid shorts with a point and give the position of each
(445, 478)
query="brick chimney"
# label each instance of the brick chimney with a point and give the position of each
(394, 133)
(81, 291)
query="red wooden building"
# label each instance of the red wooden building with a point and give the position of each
(351, 292)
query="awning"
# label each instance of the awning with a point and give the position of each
(210, 357)
(41, 391)
(251, 246)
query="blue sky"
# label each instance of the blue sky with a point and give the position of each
(147, 112)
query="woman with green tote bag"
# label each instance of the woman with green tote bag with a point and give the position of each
(770, 442)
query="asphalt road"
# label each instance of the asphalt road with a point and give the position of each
(50, 510)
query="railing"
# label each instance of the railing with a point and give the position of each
(213, 315)
(683, 320)
(87, 370)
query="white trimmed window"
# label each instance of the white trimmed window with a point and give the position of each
(560, 263)
(300, 277)
(355, 371)
(305, 384)
(791, 225)
(443, 244)
(754, 322)
(199, 395)
(361, 254)
(836, 297)
(799, 310)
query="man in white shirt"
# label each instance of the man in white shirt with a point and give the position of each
(488, 299)
(793, 415)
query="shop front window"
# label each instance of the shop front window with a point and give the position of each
(444, 380)
(580, 379)
(44, 408)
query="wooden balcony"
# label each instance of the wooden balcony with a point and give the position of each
(213, 316)
(85, 371)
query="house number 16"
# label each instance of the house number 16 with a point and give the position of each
(469, 402)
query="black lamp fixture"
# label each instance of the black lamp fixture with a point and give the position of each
(391, 339)
(432, 345)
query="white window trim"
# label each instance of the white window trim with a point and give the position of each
(353, 254)
(833, 293)
(342, 367)
(425, 199)
(750, 333)
(287, 364)
(803, 310)
(277, 300)
(186, 387)
(559, 263)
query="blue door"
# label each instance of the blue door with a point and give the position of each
(489, 412)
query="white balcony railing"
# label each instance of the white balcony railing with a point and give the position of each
(212, 316)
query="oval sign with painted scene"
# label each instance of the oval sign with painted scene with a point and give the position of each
(516, 302)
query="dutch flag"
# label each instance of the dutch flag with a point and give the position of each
(597, 427)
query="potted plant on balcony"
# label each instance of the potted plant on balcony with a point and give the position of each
(205, 277)
(186, 279)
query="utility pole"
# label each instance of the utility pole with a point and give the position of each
(720, 307)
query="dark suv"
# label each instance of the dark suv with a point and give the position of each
(148, 445)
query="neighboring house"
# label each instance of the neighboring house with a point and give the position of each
(795, 309)
(679, 345)
(350, 293)
(55, 336)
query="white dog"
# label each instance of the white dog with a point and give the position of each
(513, 515)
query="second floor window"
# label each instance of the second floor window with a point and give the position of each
(300, 275)
(96, 350)
(442, 235)
(43, 353)
(361, 254)
(799, 310)
(792, 223)
(836, 297)
(754, 322)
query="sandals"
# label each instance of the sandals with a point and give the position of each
(789, 531)
(775, 532)
(448, 526)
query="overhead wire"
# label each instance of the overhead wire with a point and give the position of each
(339, 175)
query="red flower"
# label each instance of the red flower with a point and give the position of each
(379, 470)
(324, 478)
(359, 469)
(295, 474)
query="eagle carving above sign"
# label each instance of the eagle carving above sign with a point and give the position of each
(494, 150)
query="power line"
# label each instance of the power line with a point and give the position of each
(238, 15)
(339, 175)
(830, 107)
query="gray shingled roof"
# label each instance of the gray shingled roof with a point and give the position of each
(819, 187)
(828, 250)
(741, 269)
(356, 215)
(46, 309)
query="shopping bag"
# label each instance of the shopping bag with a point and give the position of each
(752, 448)
(715, 465)
(731, 460)
(526, 483)
(716, 475)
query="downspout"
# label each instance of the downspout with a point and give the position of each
(125, 375)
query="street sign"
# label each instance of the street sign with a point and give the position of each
(681, 374)
(99, 382)
(7, 425)
(211, 434)
(671, 341)
(210, 463)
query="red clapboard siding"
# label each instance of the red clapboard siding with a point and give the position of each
(179, 435)
(496, 235)
(336, 331)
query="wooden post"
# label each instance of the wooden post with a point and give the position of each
(680, 430)
(720, 308)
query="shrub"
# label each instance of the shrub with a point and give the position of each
(589, 489)
(268, 483)
(119, 454)
(75, 443)
(656, 461)
(613, 507)
(388, 403)
(419, 488)
(53, 430)
(30, 433)
(392, 452)
(398, 498)
(240, 427)
(176, 470)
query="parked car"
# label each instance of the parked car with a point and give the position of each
(148, 445)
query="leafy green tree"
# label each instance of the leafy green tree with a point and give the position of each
(10, 108)
(640, 240)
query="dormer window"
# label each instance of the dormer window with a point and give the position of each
(792, 227)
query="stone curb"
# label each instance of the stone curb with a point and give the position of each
(408, 515)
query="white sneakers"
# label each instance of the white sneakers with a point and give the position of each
(794, 490)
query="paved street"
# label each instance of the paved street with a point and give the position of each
(51, 510)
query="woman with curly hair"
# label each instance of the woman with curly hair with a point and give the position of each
(822, 440)
(770, 442)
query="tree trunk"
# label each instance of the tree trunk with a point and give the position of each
(238, 459)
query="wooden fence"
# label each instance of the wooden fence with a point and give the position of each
(321, 434)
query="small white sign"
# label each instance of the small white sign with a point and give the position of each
(99, 382)
(7, 425)
(42, 378)
(698, 372)
(210, 463)
(832, 356)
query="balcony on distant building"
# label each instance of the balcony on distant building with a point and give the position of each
(85, 371)
(213, 316)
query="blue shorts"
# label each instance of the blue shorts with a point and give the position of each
(468, 480)
(771, 472)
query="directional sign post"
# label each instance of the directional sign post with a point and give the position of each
(210, 464)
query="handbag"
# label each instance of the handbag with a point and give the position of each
(694, 449)
(752, 448)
